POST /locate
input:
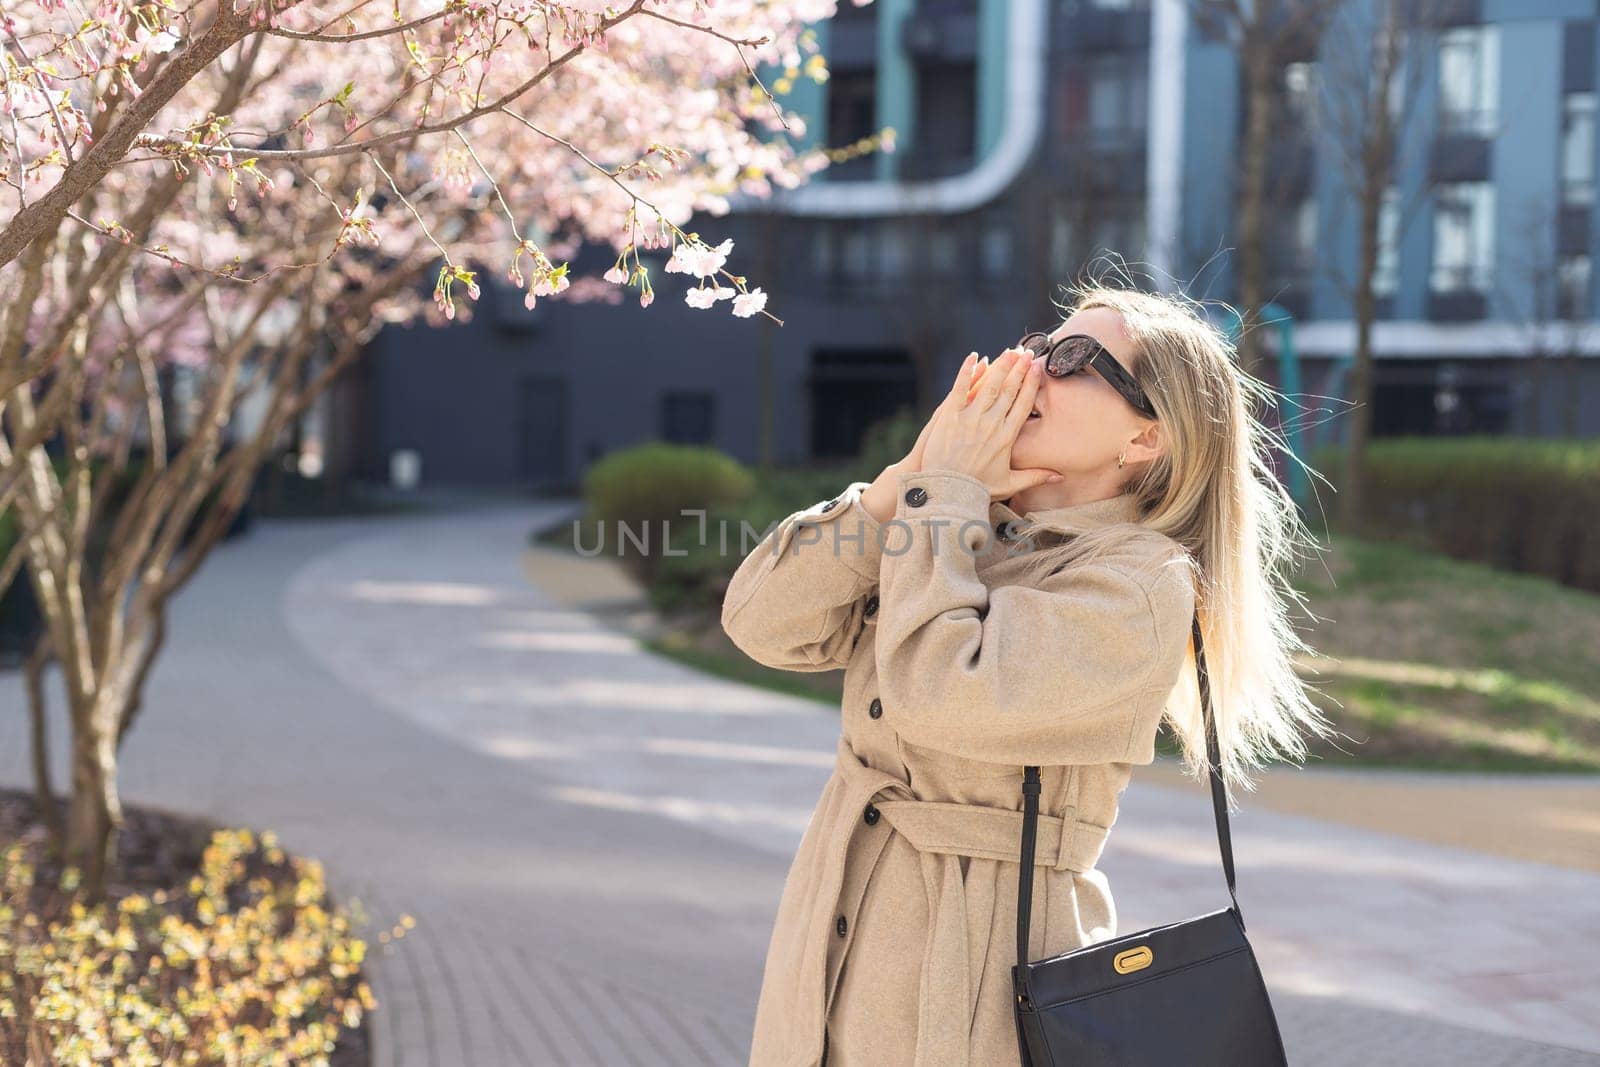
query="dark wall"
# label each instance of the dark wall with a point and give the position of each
(476, 398)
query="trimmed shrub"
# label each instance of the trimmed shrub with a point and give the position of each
(640, 490)
(887, 441)
(698, 579)
(1519, 504)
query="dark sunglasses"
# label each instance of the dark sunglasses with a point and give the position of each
(1071, 354)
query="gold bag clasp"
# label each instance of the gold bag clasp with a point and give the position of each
(1134, 959)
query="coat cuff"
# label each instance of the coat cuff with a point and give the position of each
(945, 502)
(846, 530)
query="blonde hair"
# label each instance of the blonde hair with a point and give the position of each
(1213, 491)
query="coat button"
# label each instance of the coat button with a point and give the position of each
(830, 505)
(871, 607)
(916, 496)
(871, 815)
(876, 708)
(841, 926)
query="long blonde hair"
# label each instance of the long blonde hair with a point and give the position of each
(1213, 491)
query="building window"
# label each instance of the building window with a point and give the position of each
(1123, 237)
(864, 256)
(823, 250)
(1063, 244)
(1117, 97)
(1100, 235)
(688, 418)
(944, 252)
(1386, 274)
(996, 251)
(852, 105)
(947, 118)
(855, 260)
(894, 252)
(1572, 294)
(1577, 148)
(1469, 80)
(1463, 237)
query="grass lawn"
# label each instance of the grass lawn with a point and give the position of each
(1424, 661)
(1443, 663)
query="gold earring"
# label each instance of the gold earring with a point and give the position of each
(1121, 457)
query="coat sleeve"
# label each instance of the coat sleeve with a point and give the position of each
(1077, 670)
(797, 600)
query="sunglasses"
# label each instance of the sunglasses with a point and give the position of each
(1071, 354)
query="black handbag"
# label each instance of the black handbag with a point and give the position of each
(1186, 993)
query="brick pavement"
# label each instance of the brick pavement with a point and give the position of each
(579, 826)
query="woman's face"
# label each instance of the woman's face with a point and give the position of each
(1083, 423)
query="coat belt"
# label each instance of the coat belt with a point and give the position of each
(996, 834)
(960, 916)
(1061, 842)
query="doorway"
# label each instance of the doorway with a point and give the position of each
(542, 433)
(852, 388)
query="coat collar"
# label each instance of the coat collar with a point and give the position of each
(1075, 518)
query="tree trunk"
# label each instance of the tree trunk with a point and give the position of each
(43, 788)
(1352, 491)
(1252, 207)
(1574, 390)
(95, 814)
(1533, 409)
(1376, 160)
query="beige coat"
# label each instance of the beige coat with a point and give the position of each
(896, 929)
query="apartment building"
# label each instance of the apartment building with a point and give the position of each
(1033, 137)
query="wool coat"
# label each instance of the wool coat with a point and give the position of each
(896, 928)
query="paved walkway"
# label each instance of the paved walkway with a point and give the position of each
(593, 840)
(1547, 818)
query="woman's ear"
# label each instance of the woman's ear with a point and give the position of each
(1148, 444)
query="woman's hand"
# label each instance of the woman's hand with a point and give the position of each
(879, 497)
(975, 437)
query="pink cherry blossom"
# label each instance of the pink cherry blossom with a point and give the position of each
(747, 304)
(681, 92)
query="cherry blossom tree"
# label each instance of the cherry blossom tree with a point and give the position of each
(211, 208)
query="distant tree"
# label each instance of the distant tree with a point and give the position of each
(1369, 85)
(1266, 36)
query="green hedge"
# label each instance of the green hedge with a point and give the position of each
(646, 487)
(698, 579)
(1519, 504)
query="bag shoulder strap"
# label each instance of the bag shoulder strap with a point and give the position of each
(1219, 804)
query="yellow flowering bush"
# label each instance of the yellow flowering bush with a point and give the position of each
(246, 965)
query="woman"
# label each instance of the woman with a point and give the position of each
(1018, 590)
